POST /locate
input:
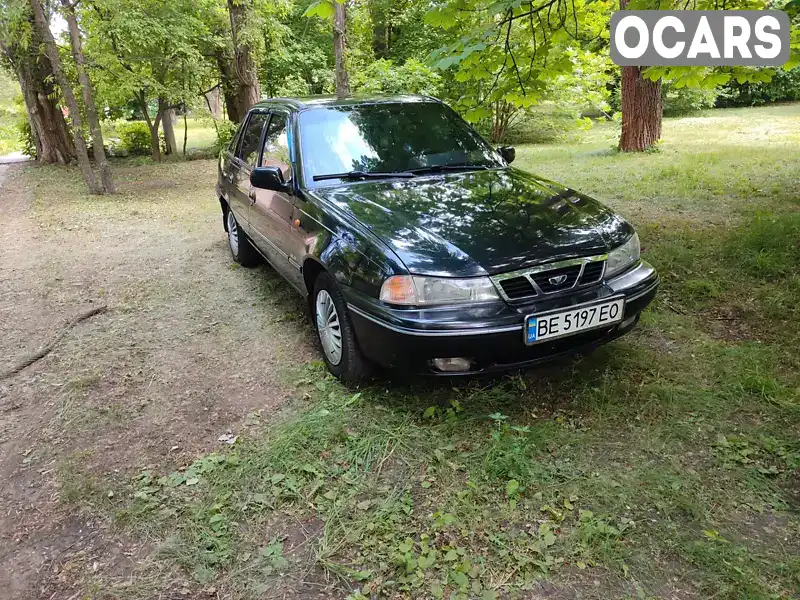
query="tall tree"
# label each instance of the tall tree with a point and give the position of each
(242, 79)
(336, 9)
(89, 106)
(43, 28)
(340, 48)
(18, 39)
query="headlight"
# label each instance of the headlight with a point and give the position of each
(623, 257)
(419, 291)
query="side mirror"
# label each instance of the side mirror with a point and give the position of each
(268, 178)
(508, 153)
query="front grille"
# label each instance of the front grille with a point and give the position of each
(566, 275)
(592, 272)
(550, 281)
(517, 287)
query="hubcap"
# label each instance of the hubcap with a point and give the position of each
(329, 328)
(233, 233)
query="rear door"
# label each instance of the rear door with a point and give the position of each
(271, 212)
(247, 156)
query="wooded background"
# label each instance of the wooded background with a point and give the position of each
(509, 67)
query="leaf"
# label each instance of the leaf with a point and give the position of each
(427, 560)
(192, 481)
(459, 579)
(489, 595)
(321, 8)
(364, 504)
(429, 412)
(277, 478)
(511, 487)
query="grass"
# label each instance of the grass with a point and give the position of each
(10, 114)
(666, 465)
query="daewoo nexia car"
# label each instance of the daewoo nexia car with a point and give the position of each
(416, 244)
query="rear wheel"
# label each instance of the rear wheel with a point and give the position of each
(243, 253)
(335, 332)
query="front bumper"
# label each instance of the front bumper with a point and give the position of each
(490, 334)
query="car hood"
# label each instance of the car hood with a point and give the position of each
(479, 222)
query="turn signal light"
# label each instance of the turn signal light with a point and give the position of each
(399, 290)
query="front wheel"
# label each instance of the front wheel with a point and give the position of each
(241, 250)
(335, 332)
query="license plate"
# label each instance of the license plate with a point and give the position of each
(563, 322)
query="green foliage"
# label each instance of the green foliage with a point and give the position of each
(784, 86)
(685, 100)
(26, 144)
(134, 137)
(412, 77)
(12, 116)
(224, 134)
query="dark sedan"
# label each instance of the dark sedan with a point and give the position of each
(416, 244)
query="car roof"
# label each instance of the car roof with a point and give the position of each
(303, 103)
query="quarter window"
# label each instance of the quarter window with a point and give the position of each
(248, 151)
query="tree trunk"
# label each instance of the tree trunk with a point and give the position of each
(51, 136)
(227, 74)
(155, 147)
(75, 118)
(642, 111)
(88, 100)
(340, 48)
(642, 108)
(245, 74)
(168, 125)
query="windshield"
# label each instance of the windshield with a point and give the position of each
(388, 138)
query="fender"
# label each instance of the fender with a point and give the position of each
(342, 247)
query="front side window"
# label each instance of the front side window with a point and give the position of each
(388, 137)
(248, 150)
(276, 146)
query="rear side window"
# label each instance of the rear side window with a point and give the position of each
(249, 148)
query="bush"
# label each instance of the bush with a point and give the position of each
(25, 137)
(544, 123)
(784, 87)
(134, 137)
(681, 101)
(225, 132)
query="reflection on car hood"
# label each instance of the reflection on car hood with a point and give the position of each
(480, 222)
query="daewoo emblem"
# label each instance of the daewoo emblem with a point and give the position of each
(557, 280)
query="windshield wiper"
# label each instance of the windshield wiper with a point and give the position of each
(441, 168)
(362, 175)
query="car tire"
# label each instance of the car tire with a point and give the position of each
(335, 332)
(241, 249)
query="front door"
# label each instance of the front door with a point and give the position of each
(271, 212)
(246, 158)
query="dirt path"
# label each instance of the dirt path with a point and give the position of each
(189, 349)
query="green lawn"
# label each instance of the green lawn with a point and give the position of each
(10, 114)
(665, 465)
